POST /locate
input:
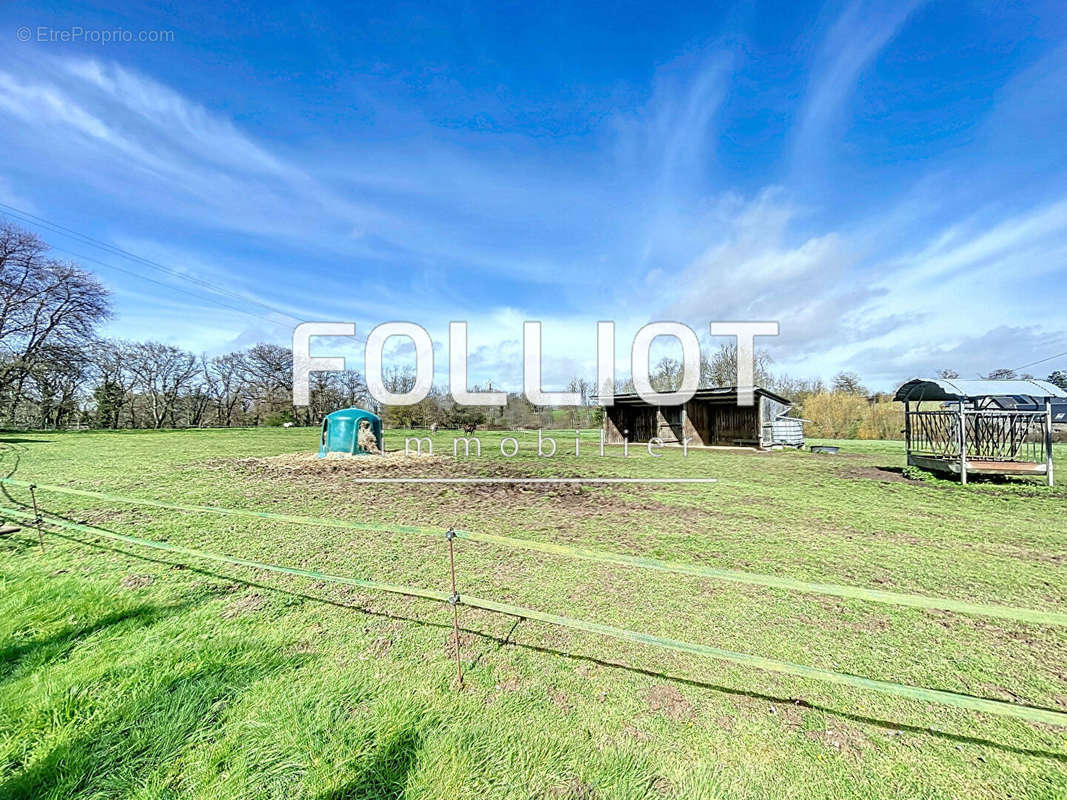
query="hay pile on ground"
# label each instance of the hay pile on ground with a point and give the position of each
(341, 464)
(332, 474)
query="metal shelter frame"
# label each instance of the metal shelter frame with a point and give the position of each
(982, 427)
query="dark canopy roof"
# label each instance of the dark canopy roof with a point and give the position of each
(722, 394)
(955, 389)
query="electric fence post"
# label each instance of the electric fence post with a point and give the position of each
(37, 520)
(453, 601)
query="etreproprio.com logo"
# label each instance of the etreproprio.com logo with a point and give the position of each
(47, 34)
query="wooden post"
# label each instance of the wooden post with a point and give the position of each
(963, 444)
(454, 602)
(759, 424)
(907, 431)
(37, 520)
(1048, 440)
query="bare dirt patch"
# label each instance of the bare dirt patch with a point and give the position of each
(637, 734)
(245, 604)
(670, 702)
(126, 515)
(560, 700)
(840, 737)
(509, 684)
(136, 581)
(466, 641)
(330, 473)
(336, 464)
(661, 786)
(573, 790)
(334, 478)
(380, 646)
(791, 715)
(884, 474)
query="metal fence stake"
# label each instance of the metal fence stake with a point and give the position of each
(37, 516)
(450, 534)
(1048, 441)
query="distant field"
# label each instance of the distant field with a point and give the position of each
(127, 673)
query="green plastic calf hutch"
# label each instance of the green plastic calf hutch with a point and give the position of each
(351, 431)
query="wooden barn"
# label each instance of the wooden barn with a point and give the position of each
(711, 417)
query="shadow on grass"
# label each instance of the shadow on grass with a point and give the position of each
(893, 471)
(47, 649)
(384, 774)
(17, 453)
(135, 744)
(12, 467)
(500, 642)
(888, 725)
(1015, 485)
(18, 543)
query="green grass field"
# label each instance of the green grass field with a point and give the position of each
(128, 673)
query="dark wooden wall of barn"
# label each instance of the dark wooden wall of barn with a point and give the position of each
(705, 423)
(641, 422)
(723, 423)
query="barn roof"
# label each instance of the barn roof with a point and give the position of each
(956, 389)
(721, 394)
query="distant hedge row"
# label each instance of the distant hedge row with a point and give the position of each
(837, 415)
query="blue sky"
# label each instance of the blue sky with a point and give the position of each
(886, 180)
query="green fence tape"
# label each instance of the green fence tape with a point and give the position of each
(243, 562)
(1029, 713)
(736, 576)
(953, 699)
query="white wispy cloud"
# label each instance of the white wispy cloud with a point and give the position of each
(980, 252)
(851, 44)
(121, 128)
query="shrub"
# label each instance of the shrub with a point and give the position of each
(835, 415)
(884, 420)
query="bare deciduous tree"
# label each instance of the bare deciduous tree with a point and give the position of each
(848, 383)
(162, 372)
(720, 369)
(268, 374)
(111, 374)
(1001, 375)
(667, 376)
(45, 305)
(224, 379)
(353, 389)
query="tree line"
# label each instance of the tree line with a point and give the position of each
(56, 371)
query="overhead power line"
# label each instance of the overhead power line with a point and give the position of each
(204, 285)
(33, 219)
(171, 288)
(1040, 361)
